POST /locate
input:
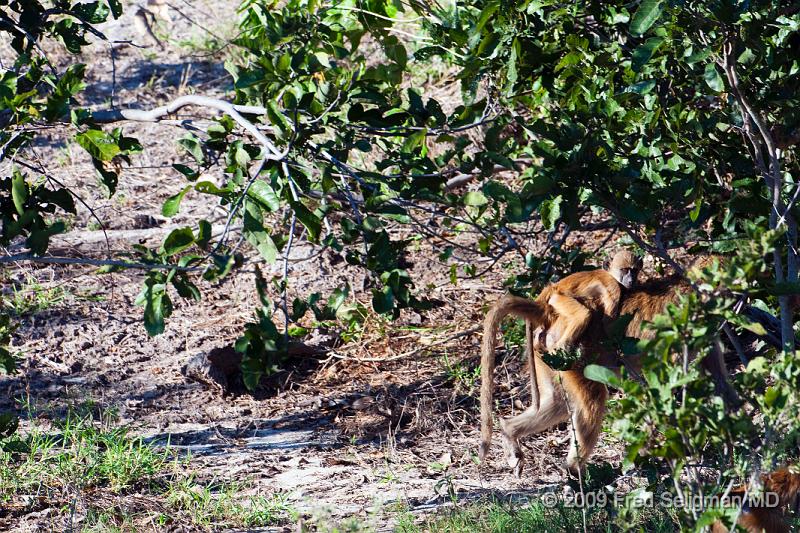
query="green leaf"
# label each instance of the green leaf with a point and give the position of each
(695, 212)
(337, 298)
(108, 178)
(240, 155)
(186, 289)
(99, 144)
(39, 239)
(298, 331)
(8, 425)
(255, 233)
(759, 365)
(203, 233)
(251, 373)
(550, 211)
(173, 203)
(157, 305)
(713, 79)
(190, 173)
(323, 59)
(263, 193)
(755, 327)
(382, 300)
(278, 120)
(178, 240)
(771, 395)
(192, 145)
(71, 34)
(643, 87)
(644, 53)
(600, 374)
(71, 83)
(207, 187)
(700, 55)
(19, 192)
(308, 219)
(116, 8)
(511, 71)
(91, 12)
(414, 141)
(475, 198)
(646, 15)
(540, 184)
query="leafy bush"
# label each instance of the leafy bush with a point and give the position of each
(672, 122)
(676, 429)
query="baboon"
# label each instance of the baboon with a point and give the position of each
(573, 394)
(576, 296)
(766, 516)
(558, 317)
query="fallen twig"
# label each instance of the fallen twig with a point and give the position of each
(415, 351)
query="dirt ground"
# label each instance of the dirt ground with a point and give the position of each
(348, 433)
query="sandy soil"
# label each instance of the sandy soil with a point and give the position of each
(332, 432)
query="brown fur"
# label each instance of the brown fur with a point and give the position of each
(783, 482)
(587, 399)
(534, 312)
(574, 299)
(650, 299)
(576, 296)
(561, 314)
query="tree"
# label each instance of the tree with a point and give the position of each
(675, 122)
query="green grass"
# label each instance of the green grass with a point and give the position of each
(121, 481)
(210, 504)
(499, 517)
(513, 332)
(75, 455)
(460, 374)
(32, 297)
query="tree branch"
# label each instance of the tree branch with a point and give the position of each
(50, 259)
(772, 178)
(232, 110)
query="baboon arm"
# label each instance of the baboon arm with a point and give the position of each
(609, 292)
(573, 319)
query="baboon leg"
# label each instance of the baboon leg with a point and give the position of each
(573, 318)
(552, 410)
(714, 364)
(545, 378)
(530, 346)
(588, 404)
(541, 375)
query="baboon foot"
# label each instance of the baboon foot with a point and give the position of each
(573, 467)
(514, 456)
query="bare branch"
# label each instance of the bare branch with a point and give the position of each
(772, 178)
(733, 79)
(285, 281)
(232, 110)
(50, 259)
(461, 178)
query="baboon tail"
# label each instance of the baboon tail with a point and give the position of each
(537, 314)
